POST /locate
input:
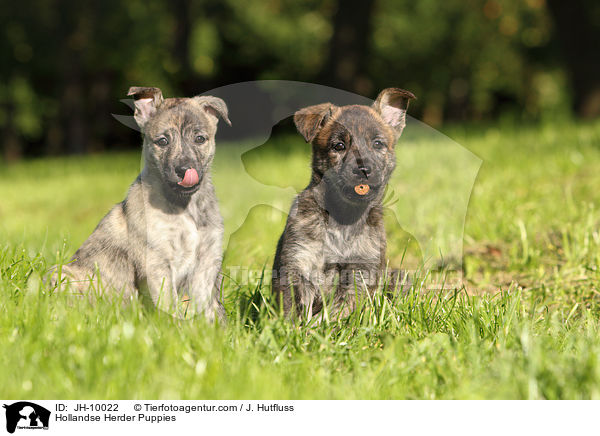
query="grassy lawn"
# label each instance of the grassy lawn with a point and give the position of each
(525, 324)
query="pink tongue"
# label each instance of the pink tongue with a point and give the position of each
(190, 178)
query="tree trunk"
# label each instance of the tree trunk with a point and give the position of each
(12, 146)
(579, 38)
(73, 93)
(181, 46)
(346, 63)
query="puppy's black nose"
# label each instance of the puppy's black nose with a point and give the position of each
(363, 170)
(181, 169)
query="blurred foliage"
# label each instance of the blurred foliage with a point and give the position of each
(474, 59)
(67, 63)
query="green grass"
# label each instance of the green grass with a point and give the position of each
(524, 326)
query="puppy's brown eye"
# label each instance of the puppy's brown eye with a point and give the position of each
(378, 144)
(339, 146)
(162, 142)
(200, 139)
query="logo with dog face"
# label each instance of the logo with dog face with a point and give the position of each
(426, 196)
(26, 415)
(421, 186)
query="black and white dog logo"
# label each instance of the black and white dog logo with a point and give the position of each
(26, 415)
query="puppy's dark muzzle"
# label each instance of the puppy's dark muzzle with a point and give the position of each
(362, 172)
(358, 187)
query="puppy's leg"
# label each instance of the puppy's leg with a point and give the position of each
(203, 292)
(356, 283)
(300, 287)
(162, 289)
(80, 282)
(298, 267)
(70, 279)
(299, 275)
(103, 265)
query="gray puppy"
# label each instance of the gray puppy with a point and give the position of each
(334, 242)
(165, 239)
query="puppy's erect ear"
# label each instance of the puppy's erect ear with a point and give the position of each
(214, 106)
(311, 119)
(392, 104)
(146, 101)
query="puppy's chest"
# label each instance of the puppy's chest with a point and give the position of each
(348, 244)
(182, 242)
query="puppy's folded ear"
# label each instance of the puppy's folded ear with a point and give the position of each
(214, 106)
(311, 119)
(146, 101)
(392, 104)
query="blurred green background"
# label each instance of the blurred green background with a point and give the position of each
(65, 64)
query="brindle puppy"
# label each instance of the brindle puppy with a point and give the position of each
(164, 240)
(334, 242)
